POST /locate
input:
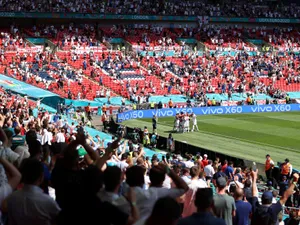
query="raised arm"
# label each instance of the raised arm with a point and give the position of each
(14, 174)
(180, 183)
(290, 190)
(108, 153)
(254, 186)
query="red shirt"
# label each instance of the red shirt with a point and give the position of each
(205, 162)
(224, 167)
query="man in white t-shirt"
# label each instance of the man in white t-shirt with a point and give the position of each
(123, 164)
(196, 182)
(209, 170)
(60, 137)
(145, 199)
(189, 163)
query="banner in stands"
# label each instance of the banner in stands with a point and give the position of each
(33, 49)
(95, 16)
(138, 114)
(253, 20)
(204, 19)
(23, 88)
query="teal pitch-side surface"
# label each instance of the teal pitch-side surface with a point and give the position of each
(246, 136)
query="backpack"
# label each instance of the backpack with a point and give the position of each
(263, 216)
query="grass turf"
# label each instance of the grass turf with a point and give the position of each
(245, 136)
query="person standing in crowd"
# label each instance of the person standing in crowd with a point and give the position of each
(286, 168)
(145, 199)
(203, 202)
(186, 175)
(166, 211)
(8, 183)
(229, 171)
(224, 166)
(266, 213)
(243, 208)
(34, 207)
(224, 205)
(112, 178)
(189, 198)
(17, 139)
(205, 160)
(269, 165)
(209, 171)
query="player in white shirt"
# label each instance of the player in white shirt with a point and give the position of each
(186, 123)
(176, 123)
(194, 121)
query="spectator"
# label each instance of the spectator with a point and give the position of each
(203, 216)
(205, 160)
(224, 205)
(185, 175)
(7, 185)
(166, 211)
(5, 150)
(229, 170)
(17, 139)
(224, 167)
(36, 152)
(267, 213)
(34, 207)
(189, 198)
(243, 208)
(209, 171)
(146, 199)
(60, 137)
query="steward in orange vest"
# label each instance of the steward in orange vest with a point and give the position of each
(269, 166)
(170, 104)
(286, 168)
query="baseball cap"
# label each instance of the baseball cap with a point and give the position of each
(221, 182)
(267, 196)
(205, 155)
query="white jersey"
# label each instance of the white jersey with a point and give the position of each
(177, 122)
(194, 119)
(186, 121)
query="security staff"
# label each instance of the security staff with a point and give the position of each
(269, 165)
(152, 104)
(286, 168)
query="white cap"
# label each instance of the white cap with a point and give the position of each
(180, 158)
(205, 156)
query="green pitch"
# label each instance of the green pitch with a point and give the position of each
(246, 136)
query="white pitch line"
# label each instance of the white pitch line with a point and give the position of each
(244, 140)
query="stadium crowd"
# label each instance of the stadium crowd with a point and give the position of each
(52, 171)
(146, 7)
(119, 184)
(79, 65)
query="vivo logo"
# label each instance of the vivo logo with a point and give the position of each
(222, 110)
(163, 113)
(130, 115)
(271, 108)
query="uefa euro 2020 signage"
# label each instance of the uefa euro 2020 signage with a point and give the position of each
(217, 110)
